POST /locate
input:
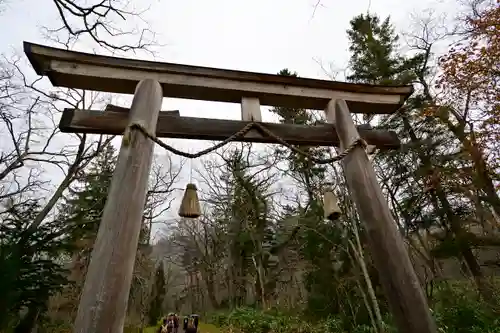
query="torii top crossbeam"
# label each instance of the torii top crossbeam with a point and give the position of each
(120, 75)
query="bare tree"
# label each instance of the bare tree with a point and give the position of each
(103, 22)
(160, 195)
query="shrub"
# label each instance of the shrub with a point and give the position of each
(455, 312)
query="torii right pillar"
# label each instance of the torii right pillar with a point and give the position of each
(399, 281)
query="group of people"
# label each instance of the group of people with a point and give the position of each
(170, 324)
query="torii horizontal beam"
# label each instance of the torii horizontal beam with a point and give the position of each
(171, 125)
(116, 108)
(119, 75)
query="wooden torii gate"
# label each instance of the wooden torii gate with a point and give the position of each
(105, 294)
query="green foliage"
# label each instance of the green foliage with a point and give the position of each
(249, 320)
(32, 257)
(427, 180)
(456, 309)
(83, 208)
(28, 273)
(208, 328)
(374, 58)
(149, 330)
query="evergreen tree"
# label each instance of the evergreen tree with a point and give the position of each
(157, 296)
(81, 213)
(84, 206)
(29, 272)
(301, 168)
(424, 187)
(374, 58)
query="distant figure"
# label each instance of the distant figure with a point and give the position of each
(191, 324)
(176, 323)
(168, 324)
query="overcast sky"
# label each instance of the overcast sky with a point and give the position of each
(252, 35)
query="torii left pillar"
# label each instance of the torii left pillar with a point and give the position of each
(104, 299)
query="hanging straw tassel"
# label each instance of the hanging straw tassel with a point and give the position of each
(190, 205)
(330, 206)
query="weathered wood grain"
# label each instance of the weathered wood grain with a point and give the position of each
(115, 108)
(111, 74)
(250, 109)
(399, 281)
(104, 299)
(97, 122)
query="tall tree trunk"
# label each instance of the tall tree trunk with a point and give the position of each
(481, 176)
(358, 253)
(209, 279)
(365, 298)
(260, 281)
(485, 288)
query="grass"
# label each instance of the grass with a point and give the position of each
(208, 328)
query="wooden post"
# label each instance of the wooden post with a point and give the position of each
(399, 280)
(104, 299)
(250, 109)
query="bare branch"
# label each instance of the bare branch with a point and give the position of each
(101, 21)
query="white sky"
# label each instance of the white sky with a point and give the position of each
(253, 35)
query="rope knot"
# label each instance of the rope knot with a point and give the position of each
(127, 135)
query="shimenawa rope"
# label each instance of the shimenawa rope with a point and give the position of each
(127, 136)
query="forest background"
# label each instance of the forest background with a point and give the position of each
(262, 257)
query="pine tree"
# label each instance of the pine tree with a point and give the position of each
(425, 174)
(83, 208)
(305, 171)
(374, 58)
(81, 213)
(29, 273)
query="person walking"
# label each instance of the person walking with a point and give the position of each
(190, 324)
